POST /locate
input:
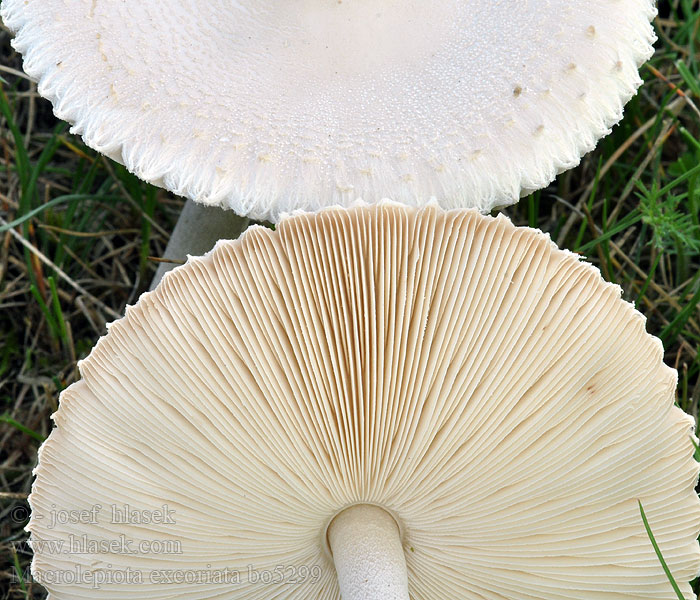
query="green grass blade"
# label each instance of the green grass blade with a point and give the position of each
(664, 566)
(687, 175)
(18, 571)
(647, 281)
(63, 331)
(45, 310)
(19, 427)
(631, 219)
(682, 317)
(21, 158)
(49, 204)
(690, 79)
(44, 158)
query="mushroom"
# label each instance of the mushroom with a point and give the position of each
(372, 403)
(272, 107)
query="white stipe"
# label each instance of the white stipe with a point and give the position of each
(368, 556)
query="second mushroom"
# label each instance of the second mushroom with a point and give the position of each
(378, 403)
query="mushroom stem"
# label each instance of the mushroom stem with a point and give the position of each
(368, 556)
(198, 228)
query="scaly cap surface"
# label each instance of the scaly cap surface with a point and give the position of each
(267, 107)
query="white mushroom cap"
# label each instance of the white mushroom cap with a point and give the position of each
(267, 107)
(488, 391)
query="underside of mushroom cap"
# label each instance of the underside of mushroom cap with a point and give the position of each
(267, 107)
(491, 392)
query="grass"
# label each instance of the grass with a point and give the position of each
(77, 232)
(659, 555)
